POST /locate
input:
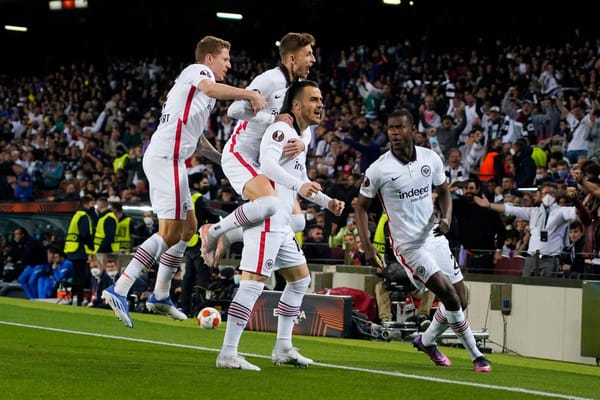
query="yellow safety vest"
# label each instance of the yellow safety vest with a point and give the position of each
(194, 240)
(72, 238)
(100, 234)
(379, 236)
(123, 234)
(119, 162)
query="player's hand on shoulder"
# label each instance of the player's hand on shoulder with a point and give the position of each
(293, 148)
(285, 117)
(257, 101)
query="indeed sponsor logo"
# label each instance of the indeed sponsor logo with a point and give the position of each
(414, 192)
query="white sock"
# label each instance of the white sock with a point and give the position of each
(288, 310)
(246, 214)
(238, 314)
(169, 263)
(460, 326)
(143, 259)
(436, 328)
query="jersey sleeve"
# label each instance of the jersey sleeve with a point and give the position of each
(371, 182)
(271, 151)
(241, 110)
(202, 72)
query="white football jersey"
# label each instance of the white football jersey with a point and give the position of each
(287, 174)
(405, 191)
(184, 117)
(248, 132)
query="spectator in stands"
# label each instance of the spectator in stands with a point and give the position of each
(368, 151)
(337, 240)
(549, 224)
(572, 259)
(579, 122)
(493, 166)
(448, 133)
(21, 183)
(133, 136)
(508, 186)
(103, 273)
(344, 190)
(133, 166)
(52, 172)
(481, 232)
(315, 247)
(524, 165)
(454, 169)
(472, 150)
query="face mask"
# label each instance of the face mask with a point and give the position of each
(80, 177)
(548, 200)
(512, 151)
(349, 221)
(203, 189)
(539, 177)
(237, 278)
(95, 272)
(562, 174)
(68, 176)
(310, 217)
(433, 140)
(112, 274)
(148, 220)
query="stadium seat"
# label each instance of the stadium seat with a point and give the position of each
(512, 266)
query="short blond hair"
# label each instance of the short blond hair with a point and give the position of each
(210, 45)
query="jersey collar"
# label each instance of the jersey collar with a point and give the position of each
(404, 160)
(286, 74)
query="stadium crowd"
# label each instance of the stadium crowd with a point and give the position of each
(512, 119)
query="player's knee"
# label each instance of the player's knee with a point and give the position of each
(268, 205)
(298, 222)
(300, 285)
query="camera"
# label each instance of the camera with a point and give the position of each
(544, 236)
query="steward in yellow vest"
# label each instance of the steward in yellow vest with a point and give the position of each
(79, 241)
(124, 229)
(106, 229)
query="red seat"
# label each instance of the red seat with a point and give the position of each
(509, 266)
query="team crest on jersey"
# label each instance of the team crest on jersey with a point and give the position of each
(425, 170)
(278, 136)
(269, 265)
(420, 271)
(366, 182)
(205, 73)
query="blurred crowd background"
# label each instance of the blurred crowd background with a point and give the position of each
(80, 98)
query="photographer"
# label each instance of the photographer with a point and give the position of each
(480, 231)
(394, 284)
(548, 224)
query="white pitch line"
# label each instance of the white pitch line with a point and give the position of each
(343, 367)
